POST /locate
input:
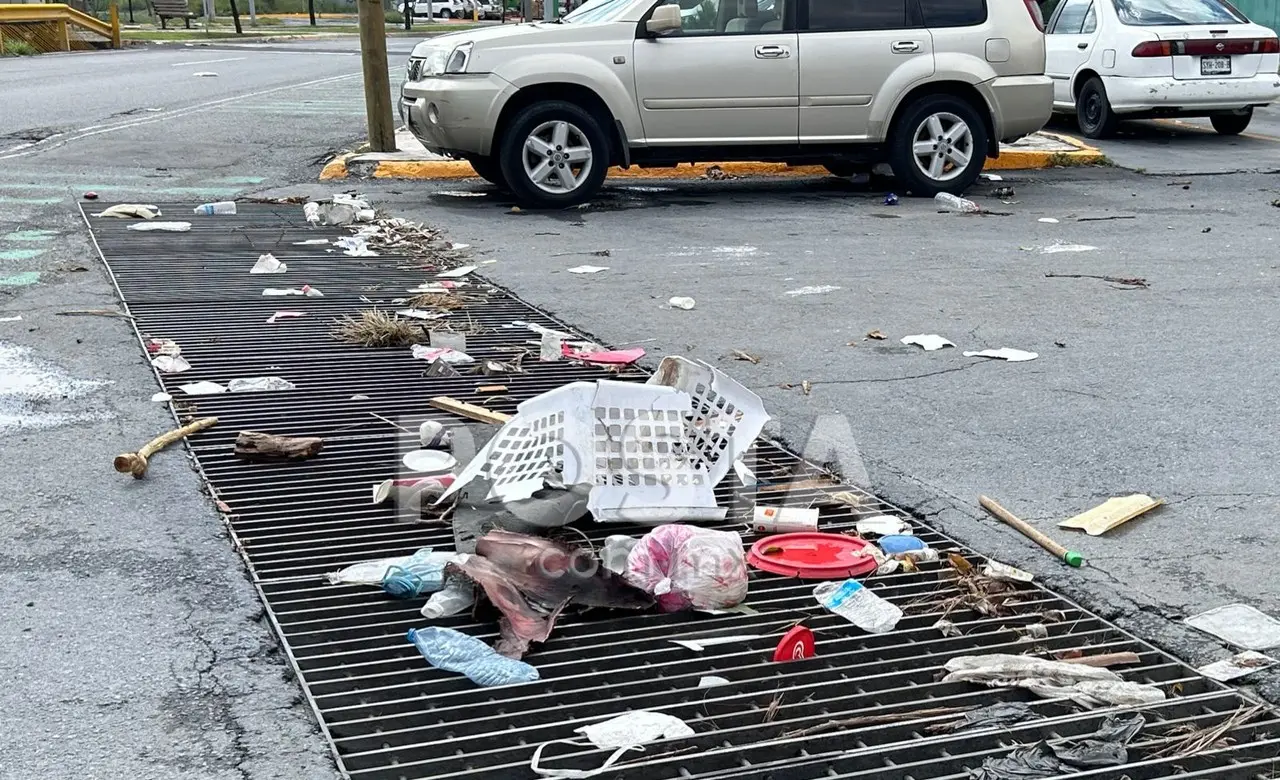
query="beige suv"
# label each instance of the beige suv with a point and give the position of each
(543, 109)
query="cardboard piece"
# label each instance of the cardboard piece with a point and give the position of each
(1113, 512)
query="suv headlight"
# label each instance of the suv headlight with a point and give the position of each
(459, 59)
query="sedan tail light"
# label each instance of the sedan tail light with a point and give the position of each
(1153, 49)
(1033, 8)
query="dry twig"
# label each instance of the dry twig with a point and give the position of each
(874, 720)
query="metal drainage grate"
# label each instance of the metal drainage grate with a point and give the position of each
(389, 715)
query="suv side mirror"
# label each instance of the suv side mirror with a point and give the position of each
(665, 19)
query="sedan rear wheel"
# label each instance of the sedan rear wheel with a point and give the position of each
(1093, 110)
(1232, 123)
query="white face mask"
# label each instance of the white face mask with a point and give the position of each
(624, 732)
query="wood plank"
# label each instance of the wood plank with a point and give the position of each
(469, 411)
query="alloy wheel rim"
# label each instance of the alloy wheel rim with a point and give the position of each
(557, 157)
(942, 146)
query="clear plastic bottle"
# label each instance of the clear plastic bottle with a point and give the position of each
(948, 202)
(858, 605)
(455, 651)
(456, 596)
(221, 207)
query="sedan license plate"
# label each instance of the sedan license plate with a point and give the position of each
(1215, 66)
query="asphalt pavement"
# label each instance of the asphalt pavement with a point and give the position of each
(136, 646)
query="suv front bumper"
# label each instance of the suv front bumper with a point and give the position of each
(1020, 105)
(455, 115)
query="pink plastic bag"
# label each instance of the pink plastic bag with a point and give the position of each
(687, 567)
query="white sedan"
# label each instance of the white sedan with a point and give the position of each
(1134, 59)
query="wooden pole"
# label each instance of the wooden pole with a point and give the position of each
(1071, 558)
(311, 9)
(113, 13)
(235, 17)
(377, 79)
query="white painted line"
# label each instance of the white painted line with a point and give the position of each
(205, 62)
(175, 113)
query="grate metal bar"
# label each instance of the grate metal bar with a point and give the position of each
(390, 716)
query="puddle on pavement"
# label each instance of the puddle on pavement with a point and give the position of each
(34, 392)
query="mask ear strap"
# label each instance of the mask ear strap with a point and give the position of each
(576, 774)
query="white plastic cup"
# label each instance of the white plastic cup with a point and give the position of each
(220, 207)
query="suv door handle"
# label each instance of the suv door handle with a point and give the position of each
(904, 47)
(772, 52)
(1082, 45)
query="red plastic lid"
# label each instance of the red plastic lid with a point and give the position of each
(796, 644)
(812, 555)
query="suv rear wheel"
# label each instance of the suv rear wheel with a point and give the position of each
(553, 155)
(939, 145)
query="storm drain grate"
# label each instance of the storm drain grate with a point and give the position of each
(389, 715)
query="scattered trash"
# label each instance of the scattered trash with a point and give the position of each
(745, 475)
(1088, 686)
(222, 207)
(588, 269)
(135, 463)
(1106, 218)
(711, 681)
(1006, 573)
(1105, 747)
(795, 645)
(202, 388)
(1239, 624)
(857, 604)
(813, 555)
(991, 177)
(806, 387)
(1004, 353)
(783, 519)
(260, 384)
(433, 435)
(311, 242)
(883, 525)
(456, 596)
(716, 173)
(375, 572)
(698, 645)
(929, 341)
(205, 74)
(414, 493)
(1206, 230)
(130, 211)
(284, 315)
(622, 733)
(255, 446)
(268, 264)
(1003, 193)
(441, 354)
(680, 302)
(456, 247)
(689, 568)
(15, 318)
(418, 575)
(877, 335)
(622, 357)
(947, 628)
(354, 246)
(429, 461)
(420, 314)
(1237, 666)
(161, 398)
(1054, 249)
(168, 227)
(818, 289)
(890, 199)
(454, 651)
(1131, 281)
(1112, 513)
(896, 544)
(747, 356)
(280, 291)
(1060, 552)
(1048, 220)
(456, 273)
(945, 201)
(170, 364)
(999, 715)
(91, 195)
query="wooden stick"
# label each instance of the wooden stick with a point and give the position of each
(1069, 557)
(135, 463)
(1105, 660)
(251, 445)
(469, 411)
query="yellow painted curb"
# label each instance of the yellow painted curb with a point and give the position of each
(1012, 159)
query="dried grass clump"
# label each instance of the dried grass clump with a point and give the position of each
(374, 328)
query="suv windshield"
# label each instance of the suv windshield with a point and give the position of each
(595, 11)
(1165, 13)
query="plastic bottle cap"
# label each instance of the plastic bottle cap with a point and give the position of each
(1074, 559)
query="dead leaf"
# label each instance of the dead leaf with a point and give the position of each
(960, 563)
(877, 335)
(747, 356)
(806, 386)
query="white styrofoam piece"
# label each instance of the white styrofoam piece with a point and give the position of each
(725, 417)
(928, 341)
(1239, 624)
(1004, 353)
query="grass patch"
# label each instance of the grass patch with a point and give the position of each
(13, 48)
(374, 328)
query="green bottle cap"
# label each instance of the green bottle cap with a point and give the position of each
(1074, 559)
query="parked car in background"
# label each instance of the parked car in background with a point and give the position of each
(444, 9)
(488, 9)
(930, 86)
(1133, 59)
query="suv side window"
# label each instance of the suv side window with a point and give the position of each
(730, 17)
(1070, 17)
(853, 15)
(953, 13)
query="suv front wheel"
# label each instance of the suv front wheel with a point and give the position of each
(554, 154)
(939, 145)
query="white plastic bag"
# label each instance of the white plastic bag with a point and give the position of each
(1085, 685)
(624, 732)
(688, 567)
